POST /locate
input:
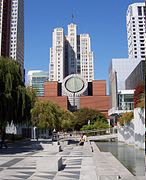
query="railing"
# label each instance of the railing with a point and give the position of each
(123, 107)
(96, 132)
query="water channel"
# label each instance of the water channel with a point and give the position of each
(131, 157)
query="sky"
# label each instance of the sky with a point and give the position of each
(103, 20)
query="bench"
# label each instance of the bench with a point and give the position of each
(51, 147)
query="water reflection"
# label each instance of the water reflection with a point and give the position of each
(132, 158)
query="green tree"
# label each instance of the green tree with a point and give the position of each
(46, 114)
(96, 125)
(67, 119)
(82, 116)
(13, 94)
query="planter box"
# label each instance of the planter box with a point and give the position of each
(49, 163)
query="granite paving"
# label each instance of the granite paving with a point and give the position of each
(79, 163)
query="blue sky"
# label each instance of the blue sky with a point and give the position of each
(103, 20)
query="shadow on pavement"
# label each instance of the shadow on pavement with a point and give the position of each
(21, 147)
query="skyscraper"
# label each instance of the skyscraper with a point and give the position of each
(70, 54)
(36, 79)
(12, 30)
(136, 14)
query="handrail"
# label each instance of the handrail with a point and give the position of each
(112, 130)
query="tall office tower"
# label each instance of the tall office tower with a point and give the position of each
(70, 54)
(57, 53)
(72, 49)
(36, 79)
(136, 14)
(12, 30)
(86, 58)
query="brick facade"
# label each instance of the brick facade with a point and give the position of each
(98, 101)
(51, 89)
(60, 100)
(99, 88)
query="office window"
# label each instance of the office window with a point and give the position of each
(139, 11)
(144, 10)
(142, 48)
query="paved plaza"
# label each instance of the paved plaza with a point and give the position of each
(86, 162)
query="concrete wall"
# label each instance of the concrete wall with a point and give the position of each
(134, 132)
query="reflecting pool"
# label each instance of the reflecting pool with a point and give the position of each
(131, 157)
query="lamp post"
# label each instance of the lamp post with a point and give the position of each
(34, 132)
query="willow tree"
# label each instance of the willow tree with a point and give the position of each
(14, 98)
(46, 115)
(67, 120)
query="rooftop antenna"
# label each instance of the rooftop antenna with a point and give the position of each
(72, 18)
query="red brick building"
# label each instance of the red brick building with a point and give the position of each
(96, 98)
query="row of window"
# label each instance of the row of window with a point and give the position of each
(140, 9)
(141, 56)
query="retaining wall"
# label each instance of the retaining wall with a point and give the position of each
(134, 132)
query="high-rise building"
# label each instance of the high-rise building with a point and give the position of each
(136, 14)
(12, 30)
(119, 71)
(70, 54)
(36, 79)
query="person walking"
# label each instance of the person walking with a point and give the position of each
(3, 137)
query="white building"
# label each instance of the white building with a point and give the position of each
(57, 53)
(12, 30)
(136, 14)
(119, 70)
(70, 54)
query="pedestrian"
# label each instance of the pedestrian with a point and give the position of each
(85, 138)
(81, 142)
(3, 137)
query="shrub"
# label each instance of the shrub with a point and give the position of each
(139, 96)
(125, 118)
(96, 125)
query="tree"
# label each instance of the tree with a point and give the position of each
(46, 114)
(67, 119)
(14, 98)
(82, 116)
(125, 118)
(96, 125)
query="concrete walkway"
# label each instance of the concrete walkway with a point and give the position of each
(79, 163)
